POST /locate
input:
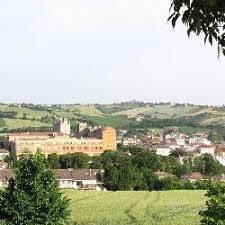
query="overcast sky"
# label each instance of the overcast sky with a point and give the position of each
(67, 51)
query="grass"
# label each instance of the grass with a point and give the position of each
(19, 123)
(137, 208)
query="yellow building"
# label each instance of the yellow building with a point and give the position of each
(48, 143)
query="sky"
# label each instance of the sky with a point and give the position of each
(103, 51)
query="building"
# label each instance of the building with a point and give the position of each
(48, 143)
(162, 175)
(62, 126)
(193, 177)
(163, 151)
(207, 149)
(85, 179)
(3, 153)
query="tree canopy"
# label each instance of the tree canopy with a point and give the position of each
(205, 17)
(33, 196)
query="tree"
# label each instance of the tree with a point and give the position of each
(215, 137)
(214, 214)
(120, 173)
(207, 165)
(78, 160)
(53, 161)
(33, 196)
(205, 17)
(11, 159)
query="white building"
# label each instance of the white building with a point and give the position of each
(207, 150)
(3, 153)
(85, 179)
(163, 151)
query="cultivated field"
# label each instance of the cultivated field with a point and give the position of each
(137, 208)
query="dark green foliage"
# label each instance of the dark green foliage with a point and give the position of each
(215, 137)
(8, 114)
(33, 196)
(171, 183)
(214, 214)
(11, 159)
(202, 17)
(53, 161)
(207, 165)
(133, 168)
(120, 173)
(76, 160)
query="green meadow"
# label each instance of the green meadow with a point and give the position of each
(137, 208)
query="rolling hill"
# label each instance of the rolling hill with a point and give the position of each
(187, 117)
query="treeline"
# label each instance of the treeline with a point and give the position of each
(133, 168)
(77, 160)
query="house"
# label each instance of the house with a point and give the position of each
(85, 179)
(3, 153)
(206, 149)
(163, 151)
(200, 141)
(161, 175)
(193, 177)
(220, 155)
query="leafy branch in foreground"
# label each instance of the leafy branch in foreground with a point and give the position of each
(202, 17)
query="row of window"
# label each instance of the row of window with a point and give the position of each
(82, 147)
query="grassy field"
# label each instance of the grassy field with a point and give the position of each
(115, 115)
(137, 208)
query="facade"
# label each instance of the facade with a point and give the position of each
(62, 126)
(48, 143)
(84, 179)
(210, 149)
(163, 151)
(3, 153)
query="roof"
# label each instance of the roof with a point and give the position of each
(84, 174)
(64, 174)
(193, 176)
(163, 174)
(31, 134)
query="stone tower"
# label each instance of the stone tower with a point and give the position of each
(62, 126)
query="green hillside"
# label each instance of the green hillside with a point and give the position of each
(123, 115)
(137, 208)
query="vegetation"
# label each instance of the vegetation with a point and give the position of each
(76, 160)
(185, 118)
(137, 208)
(214, 214)
(133, 168)
(202, 17)
(33, 196)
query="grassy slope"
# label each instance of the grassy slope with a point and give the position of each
(115, 115)
(137, 208)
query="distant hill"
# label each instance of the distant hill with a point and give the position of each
(125, 115)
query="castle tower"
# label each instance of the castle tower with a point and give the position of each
(109, 138)
(63, 126)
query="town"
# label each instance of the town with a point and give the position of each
(94, 141)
